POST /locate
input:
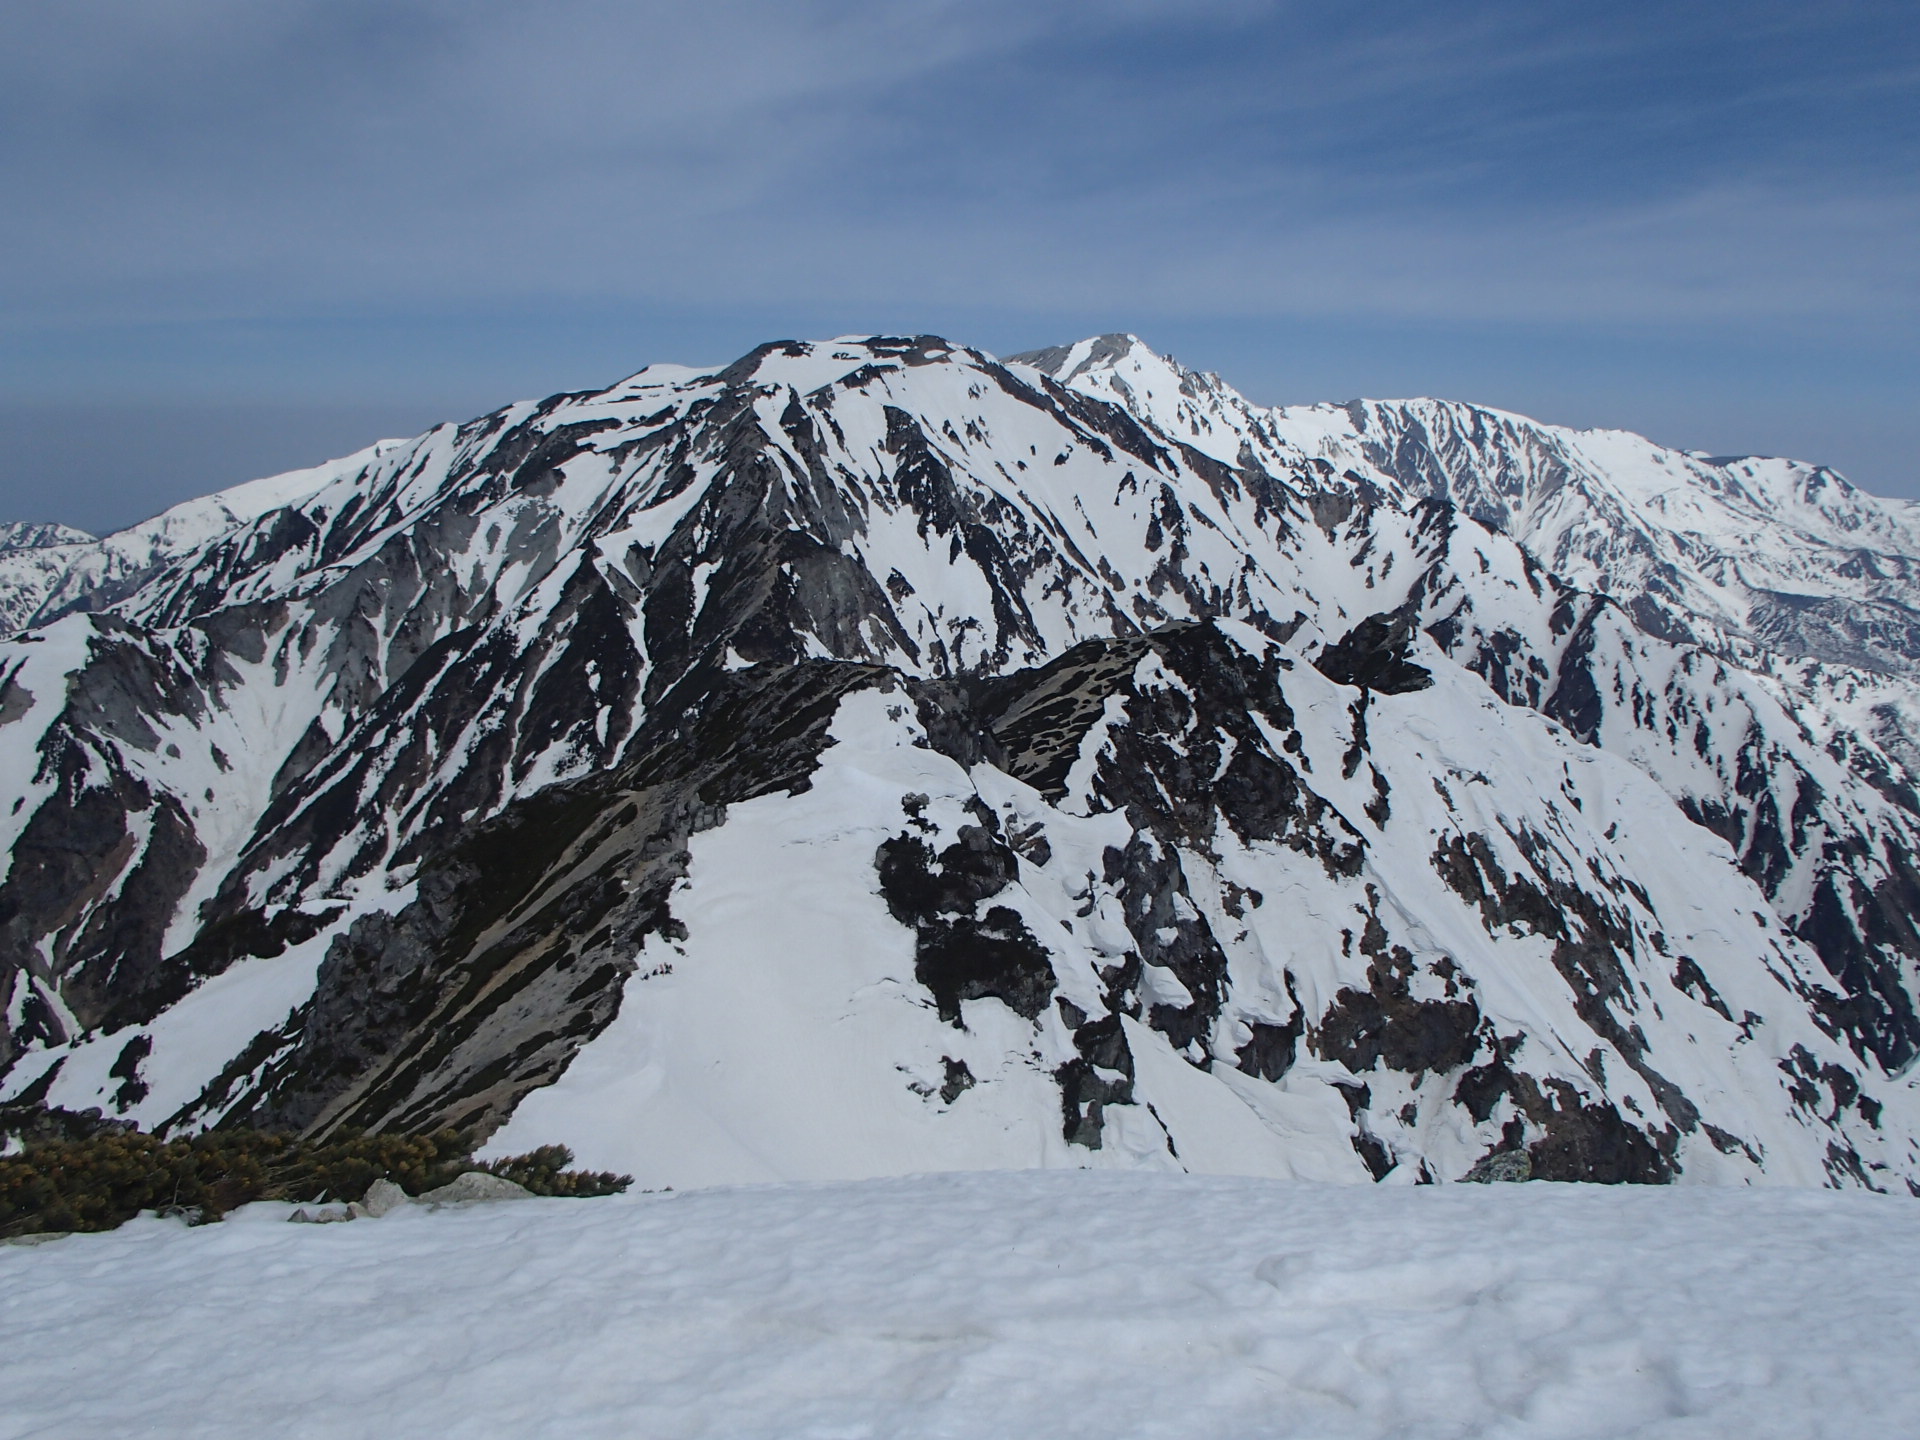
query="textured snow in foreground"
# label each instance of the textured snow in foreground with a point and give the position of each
(992, 1305)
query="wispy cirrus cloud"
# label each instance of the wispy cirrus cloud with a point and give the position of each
(1521, 156)
(197, 178)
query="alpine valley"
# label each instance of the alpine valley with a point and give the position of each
(874, 757)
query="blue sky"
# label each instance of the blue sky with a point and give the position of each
(244, 236)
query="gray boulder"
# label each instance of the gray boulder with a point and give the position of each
(383, 1197)
(474, 1187)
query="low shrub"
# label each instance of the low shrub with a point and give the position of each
(546, 1172)
(60, 1181)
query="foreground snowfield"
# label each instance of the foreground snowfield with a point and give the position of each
(1001, 1305)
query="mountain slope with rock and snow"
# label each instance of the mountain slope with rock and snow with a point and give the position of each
(49, 570)
(872, 756)
(1601, 519)
(1782, 555)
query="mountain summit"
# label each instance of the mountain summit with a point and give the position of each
(876, 757)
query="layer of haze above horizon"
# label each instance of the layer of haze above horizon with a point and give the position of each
(259, 237)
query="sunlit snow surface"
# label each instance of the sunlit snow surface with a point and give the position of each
(990, 1305)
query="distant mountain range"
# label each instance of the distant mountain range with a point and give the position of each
(875, 757)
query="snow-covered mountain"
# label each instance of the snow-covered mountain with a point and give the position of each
(51, 570)
(1788, 556)
(38, 535)
(873, 757)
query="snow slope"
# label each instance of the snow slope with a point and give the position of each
(988, 1305)
(786, 1034)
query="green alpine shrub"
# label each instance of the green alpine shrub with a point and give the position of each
(100, 1180)
(545, 1172)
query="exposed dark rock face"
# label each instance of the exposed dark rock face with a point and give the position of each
(959, 1079)
(962, 954)
(1594, 1143)
(513, 954)
(1190, 758)
(1373, 655)
(1270, 1049)
(98, 871)
(1364, 1029)
(1101, 1074)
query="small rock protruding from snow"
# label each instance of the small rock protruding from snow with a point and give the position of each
(383, 1197)
(321, 1215)
(473, 1187)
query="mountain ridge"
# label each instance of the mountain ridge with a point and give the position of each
(431, 794)
(1637, 500)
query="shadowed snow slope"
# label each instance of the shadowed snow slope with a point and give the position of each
(988, 1305)
(875, 757)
